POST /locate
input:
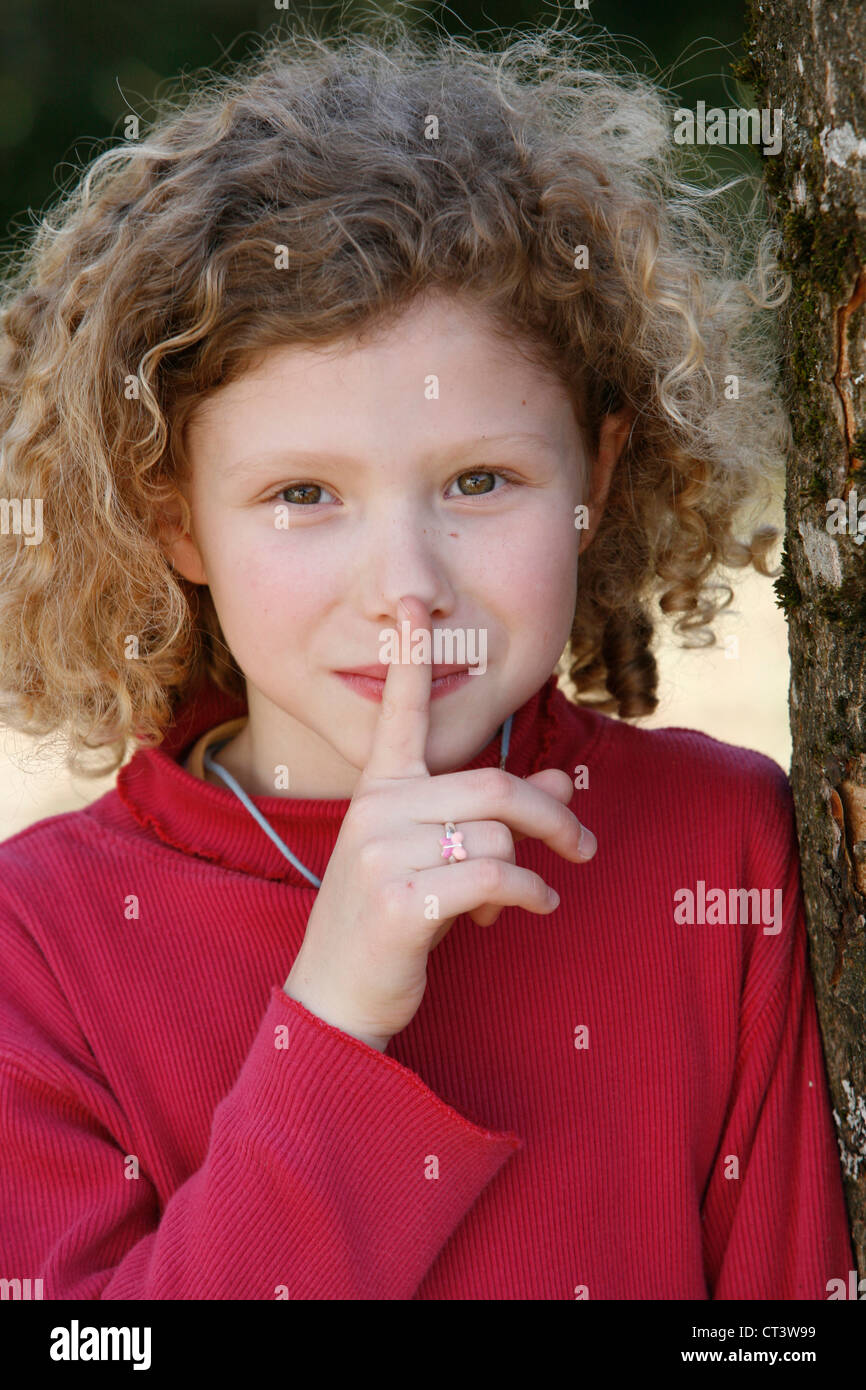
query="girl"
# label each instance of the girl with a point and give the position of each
(376, 338)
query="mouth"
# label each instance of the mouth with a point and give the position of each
(372, 686)
(380, 671)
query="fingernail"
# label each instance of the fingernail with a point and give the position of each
(588, 843)
(553, 896)
(402, 610)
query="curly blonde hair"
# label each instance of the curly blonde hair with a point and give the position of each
(154, 282)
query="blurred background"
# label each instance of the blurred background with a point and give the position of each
(70, 73)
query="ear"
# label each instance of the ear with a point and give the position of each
(179, 546)
(613, 434)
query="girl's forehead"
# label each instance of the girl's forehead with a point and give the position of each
(441, 335)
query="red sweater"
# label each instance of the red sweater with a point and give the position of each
(608, 1102)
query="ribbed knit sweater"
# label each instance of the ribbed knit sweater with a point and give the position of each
(610, 1102)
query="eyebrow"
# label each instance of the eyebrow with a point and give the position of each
(298, 457)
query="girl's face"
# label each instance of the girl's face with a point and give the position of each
(326, 484)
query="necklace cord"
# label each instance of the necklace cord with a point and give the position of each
(254, 811)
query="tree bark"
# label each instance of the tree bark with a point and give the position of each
(808, 58)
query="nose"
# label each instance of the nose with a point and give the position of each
(405, 555)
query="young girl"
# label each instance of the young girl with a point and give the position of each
(372, 340)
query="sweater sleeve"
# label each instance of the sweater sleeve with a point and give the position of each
(775, 1222)
(332, 1171)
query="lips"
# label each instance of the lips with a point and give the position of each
(373, 687)
(380, 670)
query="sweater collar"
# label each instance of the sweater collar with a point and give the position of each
(212, 823)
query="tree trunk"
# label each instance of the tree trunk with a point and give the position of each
(806, 57)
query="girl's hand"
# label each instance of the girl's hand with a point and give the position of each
(362, 965)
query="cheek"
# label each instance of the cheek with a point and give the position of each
(262, 585)
(536, 564)
(536, 584)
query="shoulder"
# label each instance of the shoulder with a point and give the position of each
(47, 874)
(675, 765)
(47, 839)
(674, 749)
(48, 864)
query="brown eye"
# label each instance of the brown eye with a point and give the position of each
(302, 488)
(477, 488)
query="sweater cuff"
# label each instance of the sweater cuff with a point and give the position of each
(388, 1166)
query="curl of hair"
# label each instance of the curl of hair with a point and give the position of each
(155, 283)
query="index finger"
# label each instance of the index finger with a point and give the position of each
(400, 736)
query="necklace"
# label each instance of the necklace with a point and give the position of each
(505, 730)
